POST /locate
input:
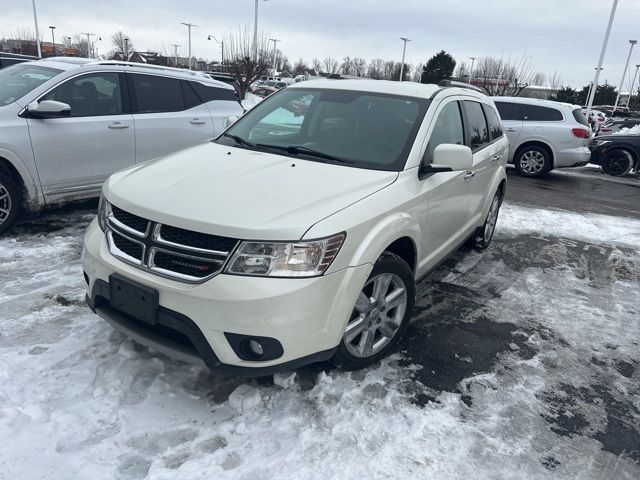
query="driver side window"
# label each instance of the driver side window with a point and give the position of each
(448, 129)
(95, 94)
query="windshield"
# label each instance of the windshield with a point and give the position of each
(360, 129)
(18, 80)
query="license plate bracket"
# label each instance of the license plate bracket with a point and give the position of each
(137, 300)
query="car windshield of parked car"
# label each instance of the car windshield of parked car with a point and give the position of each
(361, 129)
(18, 80)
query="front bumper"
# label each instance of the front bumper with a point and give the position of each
(572, 157)
(307, 316)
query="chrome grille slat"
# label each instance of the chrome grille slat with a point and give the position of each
(183, 262)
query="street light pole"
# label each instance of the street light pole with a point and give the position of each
(275, 42)
(35, 20)
(602, 52)
(221, 43)
(189, 25)
(633, 83)
(473, 60)
(175, 51)
(404, 50)
(53, 39)
(89, 35)
(255, 32)
(624, 74)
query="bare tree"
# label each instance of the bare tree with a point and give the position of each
(417, 73)
(501, 76)
(244, 67)
(347, 66)
(122, 42)
(360, 67)
(81, 44)
(376, 69)
(300, 67)
(316, 65)
(330, 65)
(389, 69)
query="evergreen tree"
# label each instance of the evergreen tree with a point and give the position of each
(439, 67)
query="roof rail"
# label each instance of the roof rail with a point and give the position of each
(453, 83)
(122, 63)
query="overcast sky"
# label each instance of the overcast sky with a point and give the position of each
(557, 35)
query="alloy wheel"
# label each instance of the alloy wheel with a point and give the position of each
(377, 315)
(532, 162)
(492, 218)
(5, 204)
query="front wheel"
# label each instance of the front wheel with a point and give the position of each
(617, 162)
(484, 234)
(9, 202)
(380, 316)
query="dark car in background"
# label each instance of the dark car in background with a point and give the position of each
(614, 125)
(616, 154)
(7, 59)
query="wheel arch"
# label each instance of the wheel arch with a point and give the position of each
(536, 143)
(12, 167)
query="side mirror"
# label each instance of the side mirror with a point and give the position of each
(231, 120)
(448, 157)
(48, 109)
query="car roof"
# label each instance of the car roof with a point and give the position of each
(77, 63)
(536, 101)
(410, 89)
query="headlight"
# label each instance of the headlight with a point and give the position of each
(103, 210)
(285, 259)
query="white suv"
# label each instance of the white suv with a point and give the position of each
(543, 134)
(299, 233)
(66, 124)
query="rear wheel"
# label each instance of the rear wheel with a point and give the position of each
(380, 316)
(9, 202)
(617, 162)
(532, 161)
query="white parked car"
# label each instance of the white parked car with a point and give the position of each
(66, 124)
(298, 234)
(543, 134)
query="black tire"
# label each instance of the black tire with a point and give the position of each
(484, 234)
(391, 265)
(532, 161)
(10, 202)
(617, 162)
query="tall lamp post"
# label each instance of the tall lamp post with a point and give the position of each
(591, 85)
(624, 74)
(221, 43)
(53, 39)
(404, 50)
(35, 20)
(189, 25)
(175, 51)
(94, 49)
(275, 42)
(89, 35)
(602, 52)
(633, 83)
(473, 60)
(255, 32)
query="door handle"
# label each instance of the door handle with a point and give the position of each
(117, 125)
(196, 121)
(495, 158)
(469, 174)
(509, 129)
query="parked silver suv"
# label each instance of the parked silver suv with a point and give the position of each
(66, 124)
(543, 134)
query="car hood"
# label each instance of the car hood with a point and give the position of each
(241, 193)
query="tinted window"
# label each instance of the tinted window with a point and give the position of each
(190, 98)
(18, 80)
(157, 94)
(478, 131)
(506, 110)
(209, 93)
(448, 129)
(90, 95)
(580, 117)
(534, 113)
(495, 127)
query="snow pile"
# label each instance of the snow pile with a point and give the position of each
(250, 101)
(635, 130)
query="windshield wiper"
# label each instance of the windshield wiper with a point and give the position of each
(238, 139)
(299, 149)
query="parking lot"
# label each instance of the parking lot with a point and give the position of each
(522, 362)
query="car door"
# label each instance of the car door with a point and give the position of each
(512, 122)
(74, 154)
(222, 103)
(168, 116)
(448, 203)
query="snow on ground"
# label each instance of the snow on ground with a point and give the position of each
(523, 362)
(635, 130)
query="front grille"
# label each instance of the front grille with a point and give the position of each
(166, 250)
(199, 240)
(128, 247)
(132, 221)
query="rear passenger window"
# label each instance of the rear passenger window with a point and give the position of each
(209, 93)
(157, 94)
(506, 110)
(495, 127)
(534, 113)
(190, 98)
(448, 129)
(477, 128)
